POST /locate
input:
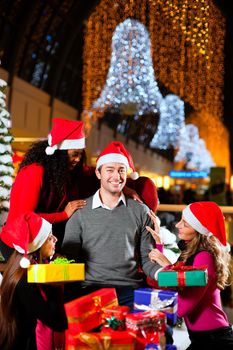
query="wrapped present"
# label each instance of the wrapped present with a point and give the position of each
(145, 323)
(155, 299)
(180, 275)
(142, 343)
(47, 273)
(115, 340)
(85, 313)
(154, 341)
(114, 316)
(152, 346)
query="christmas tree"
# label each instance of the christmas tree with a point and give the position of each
(6, 163)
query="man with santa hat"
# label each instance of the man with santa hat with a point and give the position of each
(109, 234)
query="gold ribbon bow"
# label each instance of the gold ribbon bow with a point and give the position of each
(102, 342)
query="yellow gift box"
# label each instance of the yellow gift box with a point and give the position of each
(45, 273)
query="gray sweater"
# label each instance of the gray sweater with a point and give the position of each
(111, 243)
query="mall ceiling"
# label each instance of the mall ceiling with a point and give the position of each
(41, 41)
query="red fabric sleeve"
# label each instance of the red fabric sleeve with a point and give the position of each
(25, 194)
(189, 297)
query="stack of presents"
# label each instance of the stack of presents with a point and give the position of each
(119, 329)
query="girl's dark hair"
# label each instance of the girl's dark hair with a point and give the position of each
(12, 275)
(56, 166)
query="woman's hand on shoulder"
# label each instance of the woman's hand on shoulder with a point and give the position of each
(72, 206)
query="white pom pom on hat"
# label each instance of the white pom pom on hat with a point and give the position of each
(134, 175)
(116, 152)
(24, 262)
(65, 134)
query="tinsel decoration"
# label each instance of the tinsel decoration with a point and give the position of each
(6, 163)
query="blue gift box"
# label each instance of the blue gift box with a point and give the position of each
(156, 299)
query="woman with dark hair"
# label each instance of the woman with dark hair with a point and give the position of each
(22, 304)
(203, 242)
(50, 178)
(53, 179)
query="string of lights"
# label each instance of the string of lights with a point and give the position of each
(187, 42)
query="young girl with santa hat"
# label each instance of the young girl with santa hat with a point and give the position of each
(22, 304)
(203, 242)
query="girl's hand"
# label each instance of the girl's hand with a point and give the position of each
(72, 206)
(132, 194)
(156, 256)
(155, 233)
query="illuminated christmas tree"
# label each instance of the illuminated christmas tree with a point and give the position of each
(171, 121)
(192, 150)
(131, 87)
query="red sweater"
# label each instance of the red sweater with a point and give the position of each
(30, 192)
(27, 193)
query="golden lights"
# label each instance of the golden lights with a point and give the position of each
(187, 39)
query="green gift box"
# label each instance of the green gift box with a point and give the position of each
(179, 275)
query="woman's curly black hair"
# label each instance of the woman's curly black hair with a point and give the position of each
(56, 166)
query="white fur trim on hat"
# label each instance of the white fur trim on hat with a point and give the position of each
(72, 144)
(39, 240)
(64, 145)
(194, 222)
(112, 158)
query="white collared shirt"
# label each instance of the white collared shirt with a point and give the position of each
(96, 202)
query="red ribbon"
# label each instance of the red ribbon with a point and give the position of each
(181, 279)
(181, 267)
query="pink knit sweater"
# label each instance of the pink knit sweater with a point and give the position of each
(201, 306)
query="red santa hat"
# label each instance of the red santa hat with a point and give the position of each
(26, 234)
(115, 152)
(65, 134)
(207, 219)
(147, 191)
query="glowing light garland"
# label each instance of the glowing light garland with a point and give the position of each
(130, 86)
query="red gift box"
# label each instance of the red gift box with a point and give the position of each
(113, 340)
(85, 313)
(114, 316)
(146, 322)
